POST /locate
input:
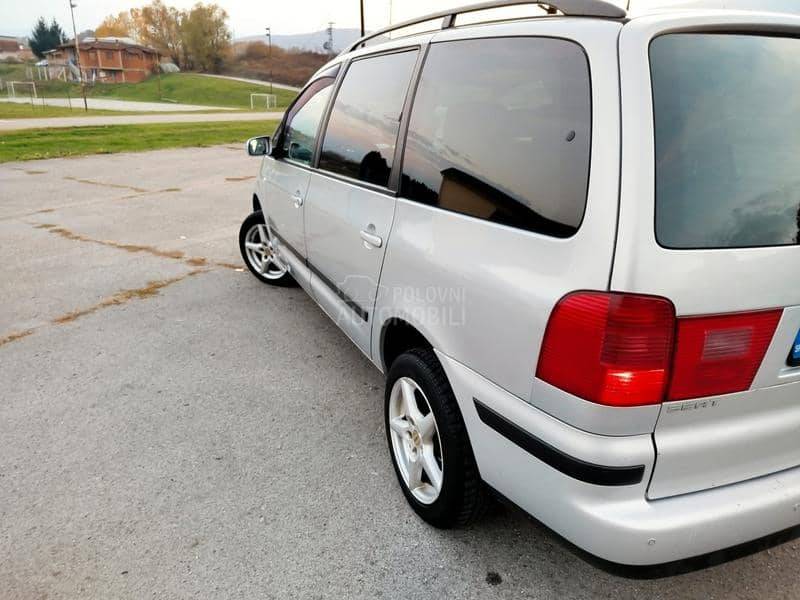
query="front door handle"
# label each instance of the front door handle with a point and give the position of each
(298, 201)
(371, 239)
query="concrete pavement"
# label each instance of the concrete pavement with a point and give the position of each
(173, 428)
(17, 124)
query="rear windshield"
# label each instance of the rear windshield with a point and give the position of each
(727, 135)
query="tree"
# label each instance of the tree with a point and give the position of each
(116, 26)
(158, 26)
(205, 37)
(46, 37)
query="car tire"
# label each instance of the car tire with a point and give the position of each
(461, 496)
(254, 251)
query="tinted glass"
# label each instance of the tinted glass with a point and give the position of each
(303, 121)
(727, 123)
(362, 130)
(500, 130)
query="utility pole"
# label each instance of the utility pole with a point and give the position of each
(328, 45)
(78, 56)
(361, 2)
(269, 54)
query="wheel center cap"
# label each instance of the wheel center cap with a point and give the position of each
(416, 439)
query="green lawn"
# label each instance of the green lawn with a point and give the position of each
(190, 88)
(30, 144)
(11, 110)
(184, 88)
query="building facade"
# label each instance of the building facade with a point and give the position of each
(14, 48)
(106, 60)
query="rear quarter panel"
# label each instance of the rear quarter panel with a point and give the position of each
(482, 293)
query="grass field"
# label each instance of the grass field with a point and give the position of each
(11, 110)
(184, 88)
(190, 88)
(30, 144)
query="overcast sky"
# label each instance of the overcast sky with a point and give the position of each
(249, 17)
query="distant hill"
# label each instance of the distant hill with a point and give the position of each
(312, 41)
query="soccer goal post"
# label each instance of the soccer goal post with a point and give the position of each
(264, 101)
(20, 86)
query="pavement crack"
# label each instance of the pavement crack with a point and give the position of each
(119, 186)
(193, 261)
(152, 288)
(243, 178)
(70, 235)
(13, 337)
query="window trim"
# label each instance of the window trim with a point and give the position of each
(388, 189)
(279, 130)
(585, 54)
(755, 30)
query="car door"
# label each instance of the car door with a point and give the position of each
(286, 173)
(349, 205)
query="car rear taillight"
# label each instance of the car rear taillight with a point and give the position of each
(617, 349)
(720, 354)
(611, 349)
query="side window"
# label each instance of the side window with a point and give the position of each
(302, 122)
(362, 131)
(500, 130)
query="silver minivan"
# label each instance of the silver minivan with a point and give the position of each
(569, 238)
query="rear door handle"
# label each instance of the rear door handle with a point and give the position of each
(298, 201)
(371, 239)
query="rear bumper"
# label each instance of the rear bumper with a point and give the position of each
(612, 521)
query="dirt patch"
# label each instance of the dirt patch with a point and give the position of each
(66, 233)
(194, 261)
(228, 265)
(148, 291)
(29, 171)
(109, 185)
(13, 337)
(244, 178)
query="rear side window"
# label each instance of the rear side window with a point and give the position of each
(727, 137)
(362, 131)
(500, 130)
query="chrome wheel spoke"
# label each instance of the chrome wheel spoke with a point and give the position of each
(431, 467)
(414, 474)
(410, 402)
(263, 236)
(264, 266)
(400, 425)
(254, 246)
(427, 427)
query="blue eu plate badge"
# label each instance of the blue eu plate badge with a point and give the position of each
(794, 355)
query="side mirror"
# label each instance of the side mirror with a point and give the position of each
(259, 146)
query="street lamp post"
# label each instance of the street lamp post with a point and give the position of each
(72, 6)
(269, 56)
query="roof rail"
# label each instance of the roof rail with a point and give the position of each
(575, 8)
